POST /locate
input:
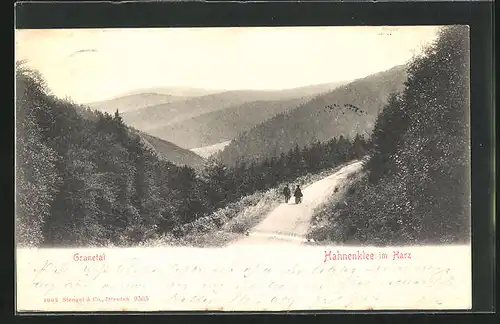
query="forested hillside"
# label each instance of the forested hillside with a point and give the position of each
(223, 125)
(348, 110)
(417, 188)
(84, 178)
(158, 116)
(161, 148)
(172, 152)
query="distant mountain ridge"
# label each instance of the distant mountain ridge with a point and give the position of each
(133, 102)
(165, 113)
(320, 119)
(190, 92)
(223, 125)
(175, 91)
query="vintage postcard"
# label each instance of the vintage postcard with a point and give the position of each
(243, 169)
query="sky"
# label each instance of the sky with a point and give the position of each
(89, 65)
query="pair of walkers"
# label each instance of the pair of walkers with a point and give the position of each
(298, 194)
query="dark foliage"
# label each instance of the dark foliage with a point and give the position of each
(245, 179)
(417, 189)
(84, 178)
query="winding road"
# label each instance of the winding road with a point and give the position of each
(289, 222)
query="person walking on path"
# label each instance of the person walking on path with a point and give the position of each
(287, 193)
(298, 195)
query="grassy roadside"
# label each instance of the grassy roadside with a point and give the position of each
(324, 223)
(233, 221)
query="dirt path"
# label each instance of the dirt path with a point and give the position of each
(288, 223)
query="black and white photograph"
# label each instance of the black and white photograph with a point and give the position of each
(243, 168)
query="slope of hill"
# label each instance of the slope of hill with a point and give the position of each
(133, 102)
(346, 111)
(223, 125)
(85, 179)
(172, 152)
(164, 114)
(163, 149)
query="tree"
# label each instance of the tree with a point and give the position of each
(342, 148)
(387, 136)
(436, 151)
(36, 173)
(358, 148)
(216, 174)
(419, 169)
